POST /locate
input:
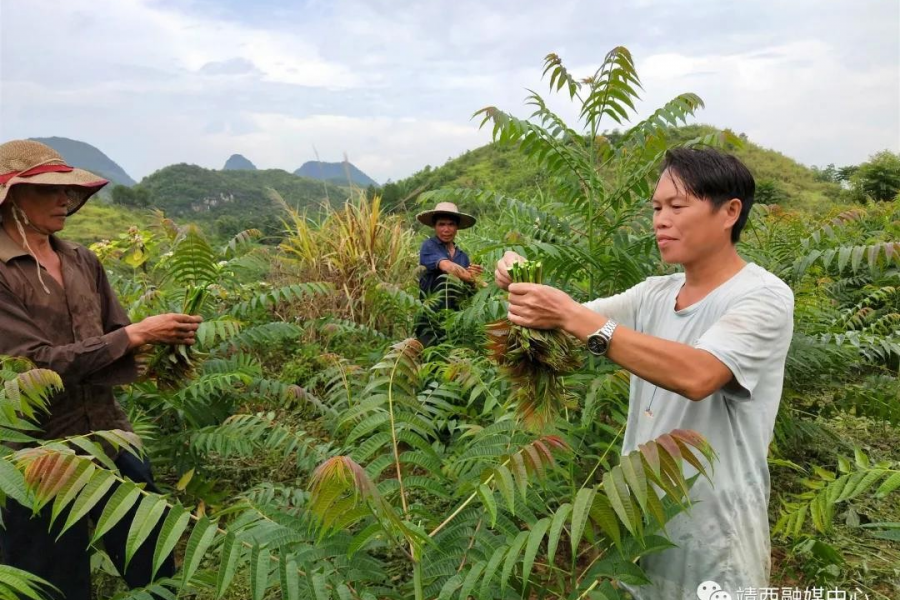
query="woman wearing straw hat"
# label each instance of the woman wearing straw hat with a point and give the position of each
(440, 257)
(58, 310)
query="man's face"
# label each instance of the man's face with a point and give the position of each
(44, 205)
(445, 229)
(688, 228)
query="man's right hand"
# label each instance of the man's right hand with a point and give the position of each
(501, 273)
(170, 328)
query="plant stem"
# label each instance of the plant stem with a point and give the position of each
(417, 580)
(597, 466)
(394, 436)
(464, 504)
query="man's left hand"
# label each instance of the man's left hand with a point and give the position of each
(539, 306)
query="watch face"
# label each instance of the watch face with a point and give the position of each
(597, 344)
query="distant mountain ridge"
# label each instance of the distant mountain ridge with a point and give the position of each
(85, 156)
(238, 162)
(337, 172)
(233, 200)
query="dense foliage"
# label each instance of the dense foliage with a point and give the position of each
(314, 450)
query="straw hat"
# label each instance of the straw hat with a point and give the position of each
(443, 209)
(27, 161)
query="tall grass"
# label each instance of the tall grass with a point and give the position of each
(358, 248)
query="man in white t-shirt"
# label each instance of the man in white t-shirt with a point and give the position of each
(706, 349)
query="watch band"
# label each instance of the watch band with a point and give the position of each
(598, 342)
(608, 328)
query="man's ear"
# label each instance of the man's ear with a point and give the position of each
(732, 210)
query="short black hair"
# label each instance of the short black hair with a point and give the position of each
(451, 216)
(715, 176)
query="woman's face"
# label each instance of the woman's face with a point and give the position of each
(46, 206)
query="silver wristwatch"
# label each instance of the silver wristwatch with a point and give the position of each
(598, 342)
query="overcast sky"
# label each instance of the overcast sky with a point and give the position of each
(393, 83)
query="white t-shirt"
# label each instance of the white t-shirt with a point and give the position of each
(747, 323)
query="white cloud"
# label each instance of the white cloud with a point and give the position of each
(90, 34)
(153, 82)
(798, 98)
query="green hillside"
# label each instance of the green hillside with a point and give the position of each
(98, 221)
(231, 201)
(779, 178)
(490, 167)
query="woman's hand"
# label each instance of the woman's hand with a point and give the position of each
(170, 328)
(540, 306)
(501, 273)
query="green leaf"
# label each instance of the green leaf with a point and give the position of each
(116, 508)
(887, 534)
(82, 477)
(259, 571)
(867, 482)
(531, 548)
(363, 538)
(619, 497)
(655, 508)
(89, 497)
(511, 558)
(633, 469)
(603, 515)
(12, 483)
(491, 568)
(231, 552)
(889, 485)
(521, 474)
(290, 578)
(317, 583)
(487, 497)
(201, 537)
(16, 583)
(556, 527)
(124, 440)
(580, 511)
(174, 525)
(615, 567)
(148, 514)
(470, 580)
(507, 487)
(449, 587)
(95, 450)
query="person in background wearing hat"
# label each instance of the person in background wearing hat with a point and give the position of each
(58, 310)
(440, 257)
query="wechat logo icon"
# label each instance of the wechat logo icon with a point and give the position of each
(710, 590)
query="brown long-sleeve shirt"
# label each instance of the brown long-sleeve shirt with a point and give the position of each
(77, 331)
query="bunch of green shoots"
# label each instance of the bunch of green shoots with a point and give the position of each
(171, 365)
(534, 360)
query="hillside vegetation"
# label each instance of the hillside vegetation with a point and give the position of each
(98, 220)
(501, 168)
(231, 200)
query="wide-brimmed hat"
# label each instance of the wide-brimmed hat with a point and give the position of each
(28, 161)
(445, 209)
